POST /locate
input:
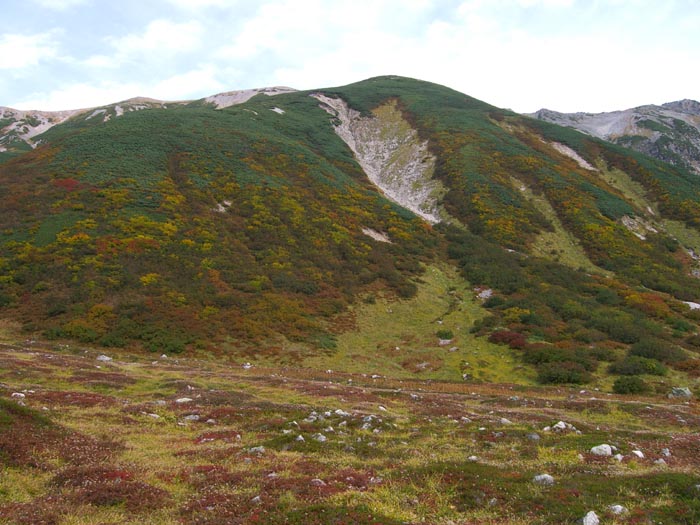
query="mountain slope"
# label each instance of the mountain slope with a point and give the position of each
(261, 227)
(670, 132)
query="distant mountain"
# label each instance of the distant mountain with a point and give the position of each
(266, 223)
(670, 132)
(19, 127)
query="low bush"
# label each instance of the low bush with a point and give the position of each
(630, 385)
(633, 365)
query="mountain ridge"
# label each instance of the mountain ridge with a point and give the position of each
(669, 132)
(259, 229)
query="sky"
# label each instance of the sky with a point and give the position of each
(565, 55)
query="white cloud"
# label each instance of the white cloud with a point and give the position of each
(192, 5)
(188, 85)
(20, 51)
(162, 36)
(60, 5)
(81, 95)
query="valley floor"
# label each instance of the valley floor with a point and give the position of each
(87, 439)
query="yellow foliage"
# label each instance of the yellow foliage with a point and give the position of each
(149, 279)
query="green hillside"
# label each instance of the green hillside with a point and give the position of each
(244, 230)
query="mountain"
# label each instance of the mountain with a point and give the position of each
(670, 132)
(392, 223)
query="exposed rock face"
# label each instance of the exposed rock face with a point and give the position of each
(670, 132)
(231, 98)
(391, 154)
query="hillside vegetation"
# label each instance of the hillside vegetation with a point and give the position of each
(244, 231)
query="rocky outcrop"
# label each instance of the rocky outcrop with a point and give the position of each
(391, 154)
(670, 132)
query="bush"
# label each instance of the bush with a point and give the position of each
(512, 339)
(633, 365)
(563, 372)
(657, 349)
(630, 385)
(445, 334)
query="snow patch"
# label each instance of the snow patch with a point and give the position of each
(119, 110)
(566, 150)
(278, 110)
(390, 153)
(377, 236)
(95, 113)
(693, 306)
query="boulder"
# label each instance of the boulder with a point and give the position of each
(602, 450)
(543, 479)
(618, 509)
(680, 392)
(591, 519)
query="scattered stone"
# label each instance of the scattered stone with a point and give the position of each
(18, 395)
(375, 481)
(257, 450)
(316, 482)
(680, 392)
(154, 416)
(257, 500)
(534, 436)
(104, 358)
(590, 519)
(504, 421)
(320, 438)
(300, 438)
(666, 452)
(660, 462)
(210, 421)
(618, 457)
(602, 450)
(382, 408)
(473, 458)
(638, 453)
(465, 419)
(182, 400)
(247, 366)
(618, 509)
(543, 479)
(342, 413)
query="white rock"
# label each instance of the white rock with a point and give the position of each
(320, 438)
(504, 421)
(154, 416)
(559, 426)
(602, 450)
(472, 458)
(591, 519)
(316, 482)
(618, 509)
(342, 413)
(246, 366)
(661, 462)
(618, 457)
(382, 408)
(543, 479)
(183, 400)
(257, 450)
(665, 452)
(257, 500)
(300, 438)
(638, 453)
(104, 358)
(18, 395)
(192, 417)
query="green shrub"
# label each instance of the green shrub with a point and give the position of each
(633, 365)
(657, 349)
(444, 334)
(563, 372)
(630, 385)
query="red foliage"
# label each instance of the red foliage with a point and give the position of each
(68, 184)
(512, 339)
